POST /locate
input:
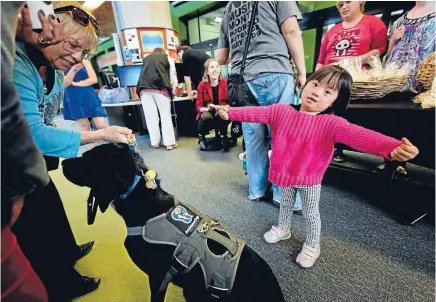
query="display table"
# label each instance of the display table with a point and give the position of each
(395, 115)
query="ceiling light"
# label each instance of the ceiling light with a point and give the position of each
(92, 5)
(218, 19)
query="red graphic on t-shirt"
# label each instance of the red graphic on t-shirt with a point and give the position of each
(370, 33)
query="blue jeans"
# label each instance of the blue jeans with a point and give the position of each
(267, 89)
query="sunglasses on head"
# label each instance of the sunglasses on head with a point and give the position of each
(80, 16)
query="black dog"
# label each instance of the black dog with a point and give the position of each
(109, 170)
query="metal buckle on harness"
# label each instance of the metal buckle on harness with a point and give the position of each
(207, 225)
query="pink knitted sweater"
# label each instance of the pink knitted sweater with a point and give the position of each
(303, 144)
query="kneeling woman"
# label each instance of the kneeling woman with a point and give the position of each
(212, 91)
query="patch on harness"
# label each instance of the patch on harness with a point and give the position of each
(184, 219)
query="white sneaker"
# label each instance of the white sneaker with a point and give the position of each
(308, 255)
(276, 234)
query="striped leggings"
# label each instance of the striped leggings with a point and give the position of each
(310, 196)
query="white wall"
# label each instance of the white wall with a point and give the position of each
(130, 14)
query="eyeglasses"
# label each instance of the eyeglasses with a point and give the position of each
(74, 48)
(80, 16)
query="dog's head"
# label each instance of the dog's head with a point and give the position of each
(110, 171)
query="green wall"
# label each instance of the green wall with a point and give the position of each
(309, 39)
(183, 10)
(310, 6)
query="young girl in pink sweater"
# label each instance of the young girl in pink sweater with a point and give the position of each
(311, 131)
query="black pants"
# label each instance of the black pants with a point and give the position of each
(45, 236)
(211, 120)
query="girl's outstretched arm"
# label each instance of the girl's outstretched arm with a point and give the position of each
(373, 142)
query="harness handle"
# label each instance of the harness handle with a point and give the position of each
(230, 245)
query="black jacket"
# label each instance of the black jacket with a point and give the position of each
(155, 72)
(22, 165)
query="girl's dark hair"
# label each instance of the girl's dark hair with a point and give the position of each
(338, 78)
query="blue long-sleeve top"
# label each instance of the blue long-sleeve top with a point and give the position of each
(50, 140)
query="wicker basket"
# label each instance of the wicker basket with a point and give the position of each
(378, 88)
(426, 71)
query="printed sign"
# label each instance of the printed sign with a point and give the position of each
(171, 42)
(183, 219)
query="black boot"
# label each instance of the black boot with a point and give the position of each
(225, 143)
(203, 143)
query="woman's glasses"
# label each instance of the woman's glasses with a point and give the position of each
(80, 16)
(73, 48)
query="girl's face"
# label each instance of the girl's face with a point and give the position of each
(349, 9)
(213, 71)
(317, 96)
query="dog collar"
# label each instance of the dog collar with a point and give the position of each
(130, 189)
(150, 182)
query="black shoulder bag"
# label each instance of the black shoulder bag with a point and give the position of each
(235, 83)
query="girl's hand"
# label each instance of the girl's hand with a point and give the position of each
(404, 152)
(52, 30)
(223, 112)
(77, 67)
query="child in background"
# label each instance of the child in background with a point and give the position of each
(310, 130)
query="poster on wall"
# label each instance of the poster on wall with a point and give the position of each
(131, 38)
(151, 39)
(171, 39)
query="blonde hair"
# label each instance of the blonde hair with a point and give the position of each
(88, 38)
(206, 67)
(362, 5)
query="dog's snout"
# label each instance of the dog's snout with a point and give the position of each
(75, 170)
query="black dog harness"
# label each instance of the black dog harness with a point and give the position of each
(184, 227)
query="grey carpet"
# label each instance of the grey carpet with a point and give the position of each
(366, 256)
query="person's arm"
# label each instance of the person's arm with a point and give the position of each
(396, 33)
(189, 87)
(69, 77)
(173, 75)
(292, 34)
(288, 15)
(253, 114)
(323, 52)
(50, 140)
(373, 142)
(92, 77)
(199, 101)
(379, 37)
(223, 57)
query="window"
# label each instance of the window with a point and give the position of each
(206, 27)
(210, 24)
(194, 33)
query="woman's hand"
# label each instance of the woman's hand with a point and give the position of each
(301, 80)
(404, 152)
(212, 107)
(116, 134)
(397, 35)
(52, 30)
